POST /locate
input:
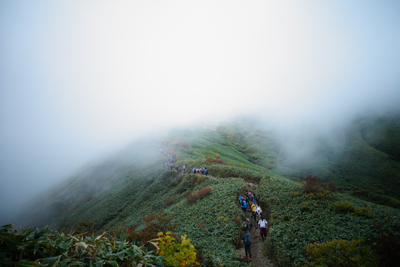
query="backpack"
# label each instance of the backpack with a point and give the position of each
(244, 226)
(247, 239)
(244, 205)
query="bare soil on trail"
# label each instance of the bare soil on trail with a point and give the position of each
(258, 258)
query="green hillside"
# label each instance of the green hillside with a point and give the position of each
(365, 168)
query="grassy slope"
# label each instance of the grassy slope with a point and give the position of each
(100, 188)
(134, 183)
(366, 159)
(367, 167)
(297, 220)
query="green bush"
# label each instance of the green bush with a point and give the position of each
(347, 206)
(342, 206)
(47, 247)
(341, 253)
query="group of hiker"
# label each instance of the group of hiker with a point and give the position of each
(248, 200)
(202, 170)
(170, 165)
(258, 216)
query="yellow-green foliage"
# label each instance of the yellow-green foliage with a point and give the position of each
(347, 206)
(225, 219)
(341, 253)
(176, 254)
(319, 195)
(344, 206)
(366, 211)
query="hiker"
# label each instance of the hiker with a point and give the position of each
(194, 170)
(202, 170)
(244, 205)
(184, 168)
(205, 171)
(246, 240)
(263, 226)
(246, 225)
(177, 167)
(258, 210)
(254, 197)
(253, 210)
(240, 199)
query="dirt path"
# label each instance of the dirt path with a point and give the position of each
(257, 245)
(258, 259)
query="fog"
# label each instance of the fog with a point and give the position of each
(79, 79)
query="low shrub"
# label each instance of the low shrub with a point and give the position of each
(341, 253)
(347, 206)
(192, 198)
(319, 195)
(155, 223)
(169, 201)
(176, 253)
(364, 211)
(314, 185)
(204, 192)
(342, 206)
(217, 160)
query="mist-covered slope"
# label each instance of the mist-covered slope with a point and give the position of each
(366, 162)
(117, 191)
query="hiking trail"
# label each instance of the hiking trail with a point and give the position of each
(258, 258)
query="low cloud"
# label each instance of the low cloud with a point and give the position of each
(80, 79)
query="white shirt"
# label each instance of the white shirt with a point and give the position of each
(258, 209)
(262, 223)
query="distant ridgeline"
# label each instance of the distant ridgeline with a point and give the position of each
(364, 167)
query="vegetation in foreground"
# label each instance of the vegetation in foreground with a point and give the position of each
(305, 227)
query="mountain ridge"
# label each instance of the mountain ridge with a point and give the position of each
(133, 183)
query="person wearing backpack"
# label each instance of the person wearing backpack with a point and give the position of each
(258, 210)
(240, 200)
(255, 197)
(244, 205)
(263, 226)
(253, 210)
(184, 168)
(246, 225)
(246, 240)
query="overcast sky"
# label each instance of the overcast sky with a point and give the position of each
(79, 78)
